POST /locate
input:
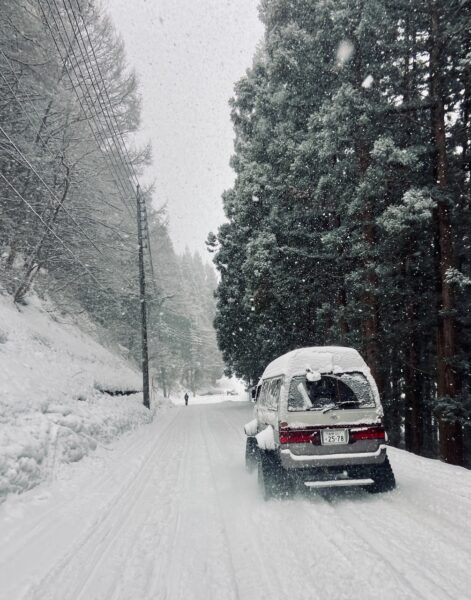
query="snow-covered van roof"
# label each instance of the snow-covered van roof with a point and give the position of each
(322, 359)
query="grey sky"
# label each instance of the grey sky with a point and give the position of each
(188, 55)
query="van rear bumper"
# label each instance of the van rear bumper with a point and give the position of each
(297, 461)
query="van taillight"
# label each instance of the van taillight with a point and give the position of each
(299, 436)
(367, 433)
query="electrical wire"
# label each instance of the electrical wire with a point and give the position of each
(77, 260)
(45, 146)
(49, 189)
(100, 74)
(120, 180)
(93, 79)
(105, 128)
(59, 239)
(46, 185)
(123, 144)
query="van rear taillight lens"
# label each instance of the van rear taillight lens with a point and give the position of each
(367, 433)
(299, 436)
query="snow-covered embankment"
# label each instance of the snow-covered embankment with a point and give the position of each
(51, 409)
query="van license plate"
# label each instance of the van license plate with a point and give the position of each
(334, 436)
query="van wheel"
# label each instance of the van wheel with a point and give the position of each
(251, 454)
(383, 477)
(273, 480)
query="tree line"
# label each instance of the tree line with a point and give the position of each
(69, 107)
(349, 219)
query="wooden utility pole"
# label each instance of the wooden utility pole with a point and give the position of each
(141, 226)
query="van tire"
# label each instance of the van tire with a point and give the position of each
(273, 480)
(251, 454)
(383, 477)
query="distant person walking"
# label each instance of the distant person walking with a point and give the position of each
(186, 398)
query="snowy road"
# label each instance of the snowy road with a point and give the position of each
(170, 513)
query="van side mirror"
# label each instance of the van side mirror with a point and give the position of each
(253, 393)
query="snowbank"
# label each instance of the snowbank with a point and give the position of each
(51, 409)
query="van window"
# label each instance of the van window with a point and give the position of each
(270, 393)
(331, 392)
(255, 393)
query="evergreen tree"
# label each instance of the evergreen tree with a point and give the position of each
(347, 220)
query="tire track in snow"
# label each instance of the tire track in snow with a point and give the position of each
(318, 539)
(388, 541)
(157, 581)
(73, 572)
(42, 522)
(292, 547)
(150, 542)
(249, 567)
(136, 518)
(292, 543)
(159, 585)
(199, 560)
(377, 542)
(188, 523)
(365, 569)
(413, 515)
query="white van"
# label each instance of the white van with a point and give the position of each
(318, 421)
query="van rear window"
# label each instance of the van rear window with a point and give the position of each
(330, 392)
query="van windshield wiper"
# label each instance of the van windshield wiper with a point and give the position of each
(321, 408)
(340, 405)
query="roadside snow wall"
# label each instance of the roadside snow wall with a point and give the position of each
(51, 411)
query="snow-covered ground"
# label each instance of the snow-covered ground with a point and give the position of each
(51, 409)
(168, 512)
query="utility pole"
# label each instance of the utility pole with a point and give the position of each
(141, 225)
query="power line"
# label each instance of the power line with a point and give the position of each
(60, 240)
(44, 142)
(60, 205)
(97, 134)
(94, 80)
(129, 163)
(28, 97)
(87, 91)
(96, 63)
(23, 156)
(49, 189)
(77, 260)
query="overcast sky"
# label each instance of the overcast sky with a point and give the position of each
(188, 55)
